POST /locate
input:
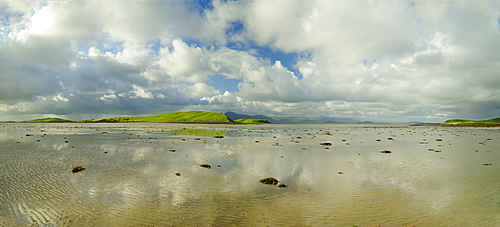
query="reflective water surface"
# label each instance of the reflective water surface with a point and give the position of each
(139, 174)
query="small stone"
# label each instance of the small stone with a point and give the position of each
(385, 152)
(77, 168)
(269, 180)
(205, 166)
(178, 174)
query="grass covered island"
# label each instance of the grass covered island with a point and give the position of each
(181, 117)
(462, 121)
(48, 120)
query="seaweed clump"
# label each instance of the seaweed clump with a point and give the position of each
(77, 168)
(272, 181)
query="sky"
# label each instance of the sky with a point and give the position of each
(369, 60)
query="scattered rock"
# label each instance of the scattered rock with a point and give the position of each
(77, 168)
(326, 144)
(487, 164)
(439, 139)
(205, 166)
(172, 150)
(340, 172)
(178, 174)
(218, 137)
(271, 181)
(29, 135)
(385, 152)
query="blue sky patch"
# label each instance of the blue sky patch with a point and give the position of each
(223, 84)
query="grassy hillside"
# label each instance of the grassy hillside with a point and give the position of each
(251, 121)
(48, 120)
(462, 121)
(191, 116)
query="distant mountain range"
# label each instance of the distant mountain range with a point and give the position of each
(295, 120)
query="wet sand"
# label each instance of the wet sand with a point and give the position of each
(139, 175)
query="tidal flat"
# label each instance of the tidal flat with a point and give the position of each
(150, 174)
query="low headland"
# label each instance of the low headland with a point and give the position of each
(182, 117)
(48, 120)
(494, 122)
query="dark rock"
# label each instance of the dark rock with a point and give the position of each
(77, 168)
(272, 181)
(269, 180)
(205, 166)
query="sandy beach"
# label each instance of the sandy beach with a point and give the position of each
(336, 175)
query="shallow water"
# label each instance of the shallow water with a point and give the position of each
(131, 176)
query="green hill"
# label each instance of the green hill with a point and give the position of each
(191, 116)
(49, 120)
(251, 121)
(463, 121)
